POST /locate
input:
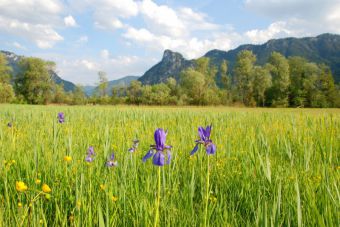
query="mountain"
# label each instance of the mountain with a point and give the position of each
(124, 81)
(13, 61)
(171, 64)
(324, 48)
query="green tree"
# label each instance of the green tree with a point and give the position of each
(174, 91)
(6, 93)
(194, 86)
(244, 77)
(327, 87)
(297, 72)
(5, 70)
(160, 94)
(34, 82)
(134, 92)
(198, 84)
(103, 84)
(6, 89)
(78, 97)
(59, 94)
(262, 82)
(279, 69)
(226, 83)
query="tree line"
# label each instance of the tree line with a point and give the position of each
(280, 82)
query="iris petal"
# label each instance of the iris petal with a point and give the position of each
(112, 157)
(207, 132)
(148, 155)
(111, 164)
(132, 149)
(194, 150)
(211, 148)
(89, 159)
(158, 159)
(160, 137)
(90, 151)
(201, 133)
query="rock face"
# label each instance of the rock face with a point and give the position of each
(171, 65)
(13, 61)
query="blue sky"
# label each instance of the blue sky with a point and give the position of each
(127, 37)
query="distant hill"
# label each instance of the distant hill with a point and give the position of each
(125, 81)
(324, 48)
(13, 61)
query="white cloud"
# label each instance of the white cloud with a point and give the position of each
(190, 48)
(18, 46)
(168, 28)
(90, 65)
(70, 21)
(162, 18)
(333, 18)
(277, 29)
(31, 11)
(107, 22)
(85, 71)
(83, 39)
(44, 36)
(104, 54)
(196, 20)
(309, 17)
(35, 20)
(139, 35)
(107, 14)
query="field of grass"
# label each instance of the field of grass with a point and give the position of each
(272, 167)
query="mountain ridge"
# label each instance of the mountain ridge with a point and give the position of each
(324, 48)
(123, 81)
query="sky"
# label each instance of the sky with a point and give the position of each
(127, 37)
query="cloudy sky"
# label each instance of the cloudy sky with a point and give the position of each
(127, 37)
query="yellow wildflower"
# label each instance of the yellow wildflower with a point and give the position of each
(19, 205)
(114, 198)
(37, 181)
(102, 187)
(46, 188)
(67, 158)
(20, 186)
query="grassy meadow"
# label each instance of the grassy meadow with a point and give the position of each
(272, 167)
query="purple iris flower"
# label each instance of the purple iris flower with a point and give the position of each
(159, 150)
(89, 159)
(61, 117)
(111, 162)
(204, 134)
(90, 151)
(90, 154)
(134, 146)
(9, 124)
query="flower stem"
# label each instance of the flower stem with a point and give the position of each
(158, 198)
(207, 196)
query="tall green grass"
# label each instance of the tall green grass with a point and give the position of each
(273, 167)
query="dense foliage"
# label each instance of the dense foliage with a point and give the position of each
(281, 82)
